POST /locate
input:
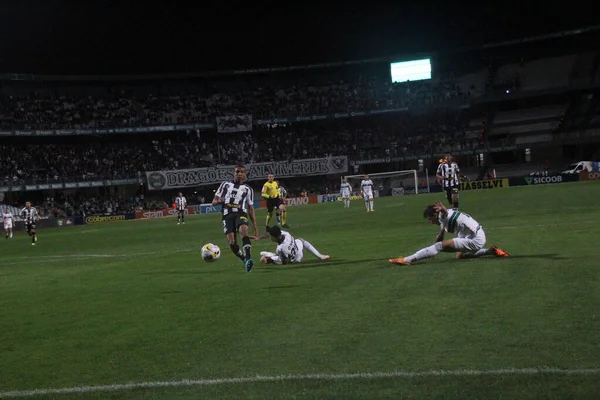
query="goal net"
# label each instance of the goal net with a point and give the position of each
(394, 183)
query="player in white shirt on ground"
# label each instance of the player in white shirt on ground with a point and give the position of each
(289, 250)
(366, 191)
(468, 243)
(345, 192)
(8, 220)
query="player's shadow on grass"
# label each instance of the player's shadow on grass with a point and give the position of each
(550, 256)
(317, 264)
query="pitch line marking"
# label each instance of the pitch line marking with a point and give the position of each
(283, 378)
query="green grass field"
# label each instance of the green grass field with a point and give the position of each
(132, 302)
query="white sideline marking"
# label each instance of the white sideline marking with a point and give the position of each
(64, 257)
(312, 377)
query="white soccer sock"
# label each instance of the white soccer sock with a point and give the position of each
(11, 234)
(347, 203)
(482, 252)
(311, 248)
(371, 202)
(367, 205)
(427, 252)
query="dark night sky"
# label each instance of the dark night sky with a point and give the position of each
(235, 35)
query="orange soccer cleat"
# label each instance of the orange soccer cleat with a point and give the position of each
(399, 261)
(498, 252)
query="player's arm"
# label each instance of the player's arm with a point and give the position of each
(462, 176)
(438, 173)
(251, 212)
(440, 236)
(264, 191)
(218, 195)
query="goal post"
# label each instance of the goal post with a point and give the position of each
(396, 177)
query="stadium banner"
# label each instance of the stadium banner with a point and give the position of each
(589, 176)
(542, 180)
(159, 180)
(103, 131)
(301, 201)
(234, 123)
(94, 219)
(409, 190)
(64, 222)
(335, 197)
(490, 184)
(165, 212)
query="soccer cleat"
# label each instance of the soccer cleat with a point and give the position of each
(33, 244)
(36, 238)
(498, 252)
(249, 264)
(399, 261)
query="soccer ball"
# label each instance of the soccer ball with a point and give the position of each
(211, 252)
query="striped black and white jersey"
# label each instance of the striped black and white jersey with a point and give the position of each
(29, 214)
(180, 203)
(235, 197)
(450, 173)
(282, 192)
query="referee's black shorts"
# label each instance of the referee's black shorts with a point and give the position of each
(273, 203)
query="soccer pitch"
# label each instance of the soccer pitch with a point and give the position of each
(132, 302)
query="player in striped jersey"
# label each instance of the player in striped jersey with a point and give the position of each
(9, 222)
(469, 241)
(237, 200)
(30, 215)
(449, 173)
(181, 205)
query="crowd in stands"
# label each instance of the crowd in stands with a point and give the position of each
(45, 109)
(118, 156)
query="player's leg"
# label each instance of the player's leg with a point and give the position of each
(278, 216)
(6, 231)
(229, 231)
(242, 227)
(306, 245)
(427, 252)
(270, 207)
(366, 197)
(454, 197)
(371, 203)
(283, 215)
(473, 247)
(11, 232)
(449, 195)
(182, 216)
(33, 236)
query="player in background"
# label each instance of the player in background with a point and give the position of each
(345, 192)
(366, 191)
(9, 222)
(289, 250)
(449, 174)
(237, 201)
(181, 206)
(30, 216)
(270, 192)
(468, 243)
(282, 196)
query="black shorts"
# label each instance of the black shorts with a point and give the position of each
(451, 190)
(233, 221)
(273, 203)
(180, 213)
(30, 226)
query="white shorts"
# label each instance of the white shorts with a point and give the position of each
(299, 251)
(345, 195)
(471, 243)
(8, 225)
(368, 196)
